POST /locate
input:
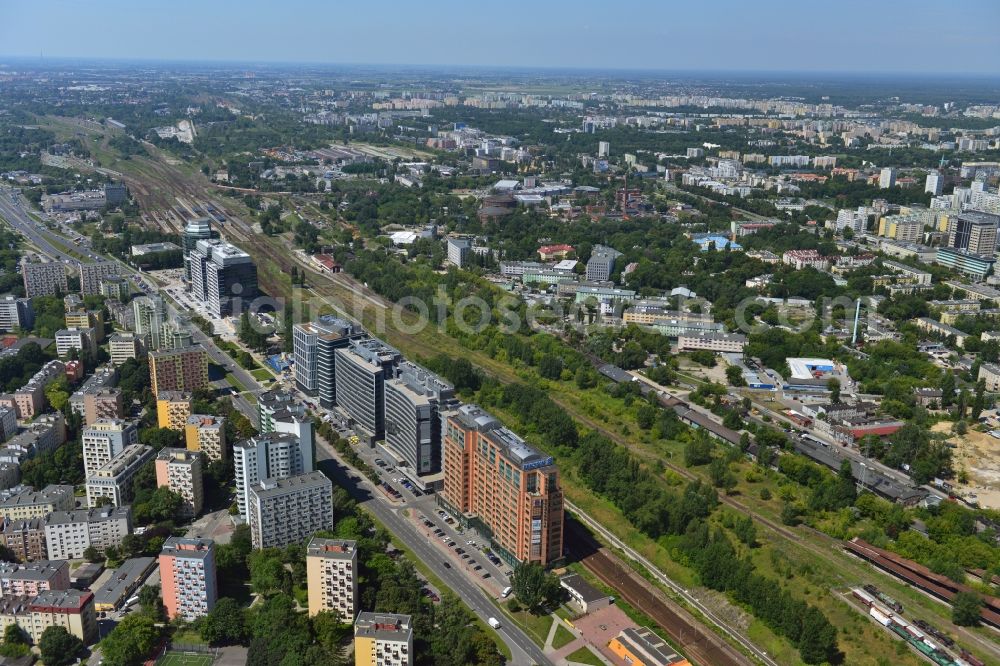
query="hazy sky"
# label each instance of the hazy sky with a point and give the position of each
(957, 36)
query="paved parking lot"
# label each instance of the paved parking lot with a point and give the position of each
(599, 627)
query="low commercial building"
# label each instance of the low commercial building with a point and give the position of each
(383, 639)
(287, 511)
(332, 576)
(123, 583)
(712, 341)
(977, 266)
(582, 594)
(642, 646)
(114, 480)
(68, 534)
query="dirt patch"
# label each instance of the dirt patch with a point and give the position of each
(978, 455)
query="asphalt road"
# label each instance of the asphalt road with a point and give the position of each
(18, 218)
(523, 650)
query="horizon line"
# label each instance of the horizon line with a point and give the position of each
(42, 58)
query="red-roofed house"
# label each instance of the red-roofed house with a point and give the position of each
(326, 263)
(551, 252)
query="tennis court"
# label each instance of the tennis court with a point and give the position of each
(185, 659)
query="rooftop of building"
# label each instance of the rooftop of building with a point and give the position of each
(123, 580)
(89, 515)
(207, 421)
(512, 447)
(335, 549)
(72, 601)
(37, 570)
(177, 456)
(382, 626)
(270, 487)
(29, 497)
(188, 548)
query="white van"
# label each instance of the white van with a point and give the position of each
(506, 592)
(493, 622)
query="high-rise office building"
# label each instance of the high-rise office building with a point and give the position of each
(383, 639)
(975, 232)
(223, 276)
(887, 178)
(601, 264)
(173, 409)
(150, 313)
(104, 439)
(362, 370)
(195, 230)
(184, 369)
(514, 489)
(934, 183)
(207, 433)
(92, 274)
(15, 313)
(315, 364)
(286, 511)
(44, 278)
(187, 577)
(268, 456)
(180, 470)
(414, 403)
(332, 577)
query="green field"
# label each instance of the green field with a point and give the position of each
(584, 656)
(185, 659)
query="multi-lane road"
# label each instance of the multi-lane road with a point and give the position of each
(12, 209)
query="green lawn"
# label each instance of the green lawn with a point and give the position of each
(584, 656)
(235, 383)
(563, 637)
(182, 659)
(536, 626)
(261, 374)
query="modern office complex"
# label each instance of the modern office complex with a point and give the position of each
(271, 455)
(149, 314)
(92, 274)
(187, 577)
(114, 480)
(68, 534)
(414, 403)
(601, 264)
(206, 433)
(512, 489)
(332, 576)
(44, 278)
(15, 313)
(184, 369)
(383, 639)
(362, 370)
(180, 470)
(314, 345)
(223, 276)
(104, 439)
(975, 232)
(195, 230)
(286, 511)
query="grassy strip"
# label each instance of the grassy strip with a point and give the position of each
(585, 656)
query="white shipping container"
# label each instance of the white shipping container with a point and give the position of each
(863, 596)
(879, 616)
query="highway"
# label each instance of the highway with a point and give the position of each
(18, 218)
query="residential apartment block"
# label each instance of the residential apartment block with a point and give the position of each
(15, 313)
(180, 470)
(104, 439)
(125, 345)
(69, 533)
(207, 434)
(268, 456)
(332, 576)
(44, 279)
(491, 472)
(26, 503)
(173, 409)
(383, 639)
(30, 580)
(71, 609)
(286, 511)
(24, 538)
(187, 575)
(184, 369)
(92, 274)
(114, 479)
(30, 400)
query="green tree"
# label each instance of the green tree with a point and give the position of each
(15, 643)
(818, 640)
(833, 386)
(698, 450)
(225, 624)
(533, 587)
(59, 647)
(131, 642)
(152, 602)
(735, 376)
(965, 609)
